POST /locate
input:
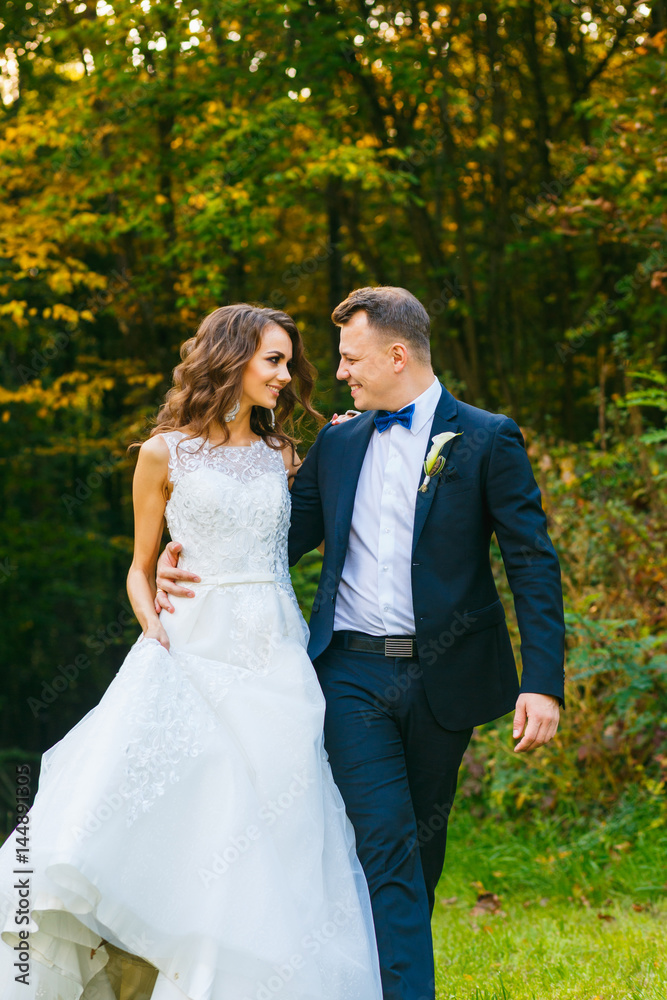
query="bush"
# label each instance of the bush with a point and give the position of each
(606, 514)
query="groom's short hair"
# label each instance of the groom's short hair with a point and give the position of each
(391, 312)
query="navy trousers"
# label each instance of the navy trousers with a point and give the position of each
(396, 769)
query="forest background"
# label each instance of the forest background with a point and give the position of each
(505, 161)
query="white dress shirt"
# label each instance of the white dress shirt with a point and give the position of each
(375, 592)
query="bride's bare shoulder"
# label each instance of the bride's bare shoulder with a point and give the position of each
(154, 456)
(155, 447)
(152, 471)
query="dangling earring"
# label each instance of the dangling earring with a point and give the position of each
(228, 417)
(272, 418)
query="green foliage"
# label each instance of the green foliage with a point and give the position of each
(505, 162)
(305, 577)
(653, 396)
(567, 856)
(608, 524)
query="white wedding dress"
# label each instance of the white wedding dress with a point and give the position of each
(191, 818)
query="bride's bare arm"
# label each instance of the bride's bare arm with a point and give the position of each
(149, 496)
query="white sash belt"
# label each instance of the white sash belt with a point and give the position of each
(233, 581)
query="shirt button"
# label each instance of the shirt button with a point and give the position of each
(385, 568)
(386, 607)
(387, 530)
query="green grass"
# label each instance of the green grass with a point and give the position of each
(553, 878)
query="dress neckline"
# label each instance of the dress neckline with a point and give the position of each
(230, 447)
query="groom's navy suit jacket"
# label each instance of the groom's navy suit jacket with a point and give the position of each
(487, 486)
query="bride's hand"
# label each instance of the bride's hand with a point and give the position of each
(157, 631)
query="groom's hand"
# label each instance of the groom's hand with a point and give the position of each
(166, 575)
(536, 716)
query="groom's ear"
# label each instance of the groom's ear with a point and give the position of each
(399, 356)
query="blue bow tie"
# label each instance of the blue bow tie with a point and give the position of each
(385, 418)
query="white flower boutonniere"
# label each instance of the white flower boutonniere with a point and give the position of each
(435, 463)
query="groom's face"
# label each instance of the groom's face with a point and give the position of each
(366, 364)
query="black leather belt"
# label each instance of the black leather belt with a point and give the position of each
(385, 645)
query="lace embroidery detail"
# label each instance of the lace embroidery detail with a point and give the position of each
(167, 721)
(242, 463)
(230, 509)
(260, 627)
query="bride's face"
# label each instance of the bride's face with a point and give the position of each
(267, 373)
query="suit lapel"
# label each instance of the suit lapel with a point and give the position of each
(444, 419)
(360, 431)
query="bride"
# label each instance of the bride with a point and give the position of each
(187, 841)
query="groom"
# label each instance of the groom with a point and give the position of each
(407, 632)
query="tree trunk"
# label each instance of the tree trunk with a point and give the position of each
(336, 291)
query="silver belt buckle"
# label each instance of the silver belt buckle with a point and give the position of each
(398, 645)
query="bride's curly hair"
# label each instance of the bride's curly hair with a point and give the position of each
(208, 381)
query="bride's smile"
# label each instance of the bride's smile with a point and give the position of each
(267, 373)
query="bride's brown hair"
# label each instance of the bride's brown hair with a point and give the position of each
(208, 381)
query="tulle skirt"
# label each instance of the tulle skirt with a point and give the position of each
(187, 835)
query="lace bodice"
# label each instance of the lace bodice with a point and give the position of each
(230, 508)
